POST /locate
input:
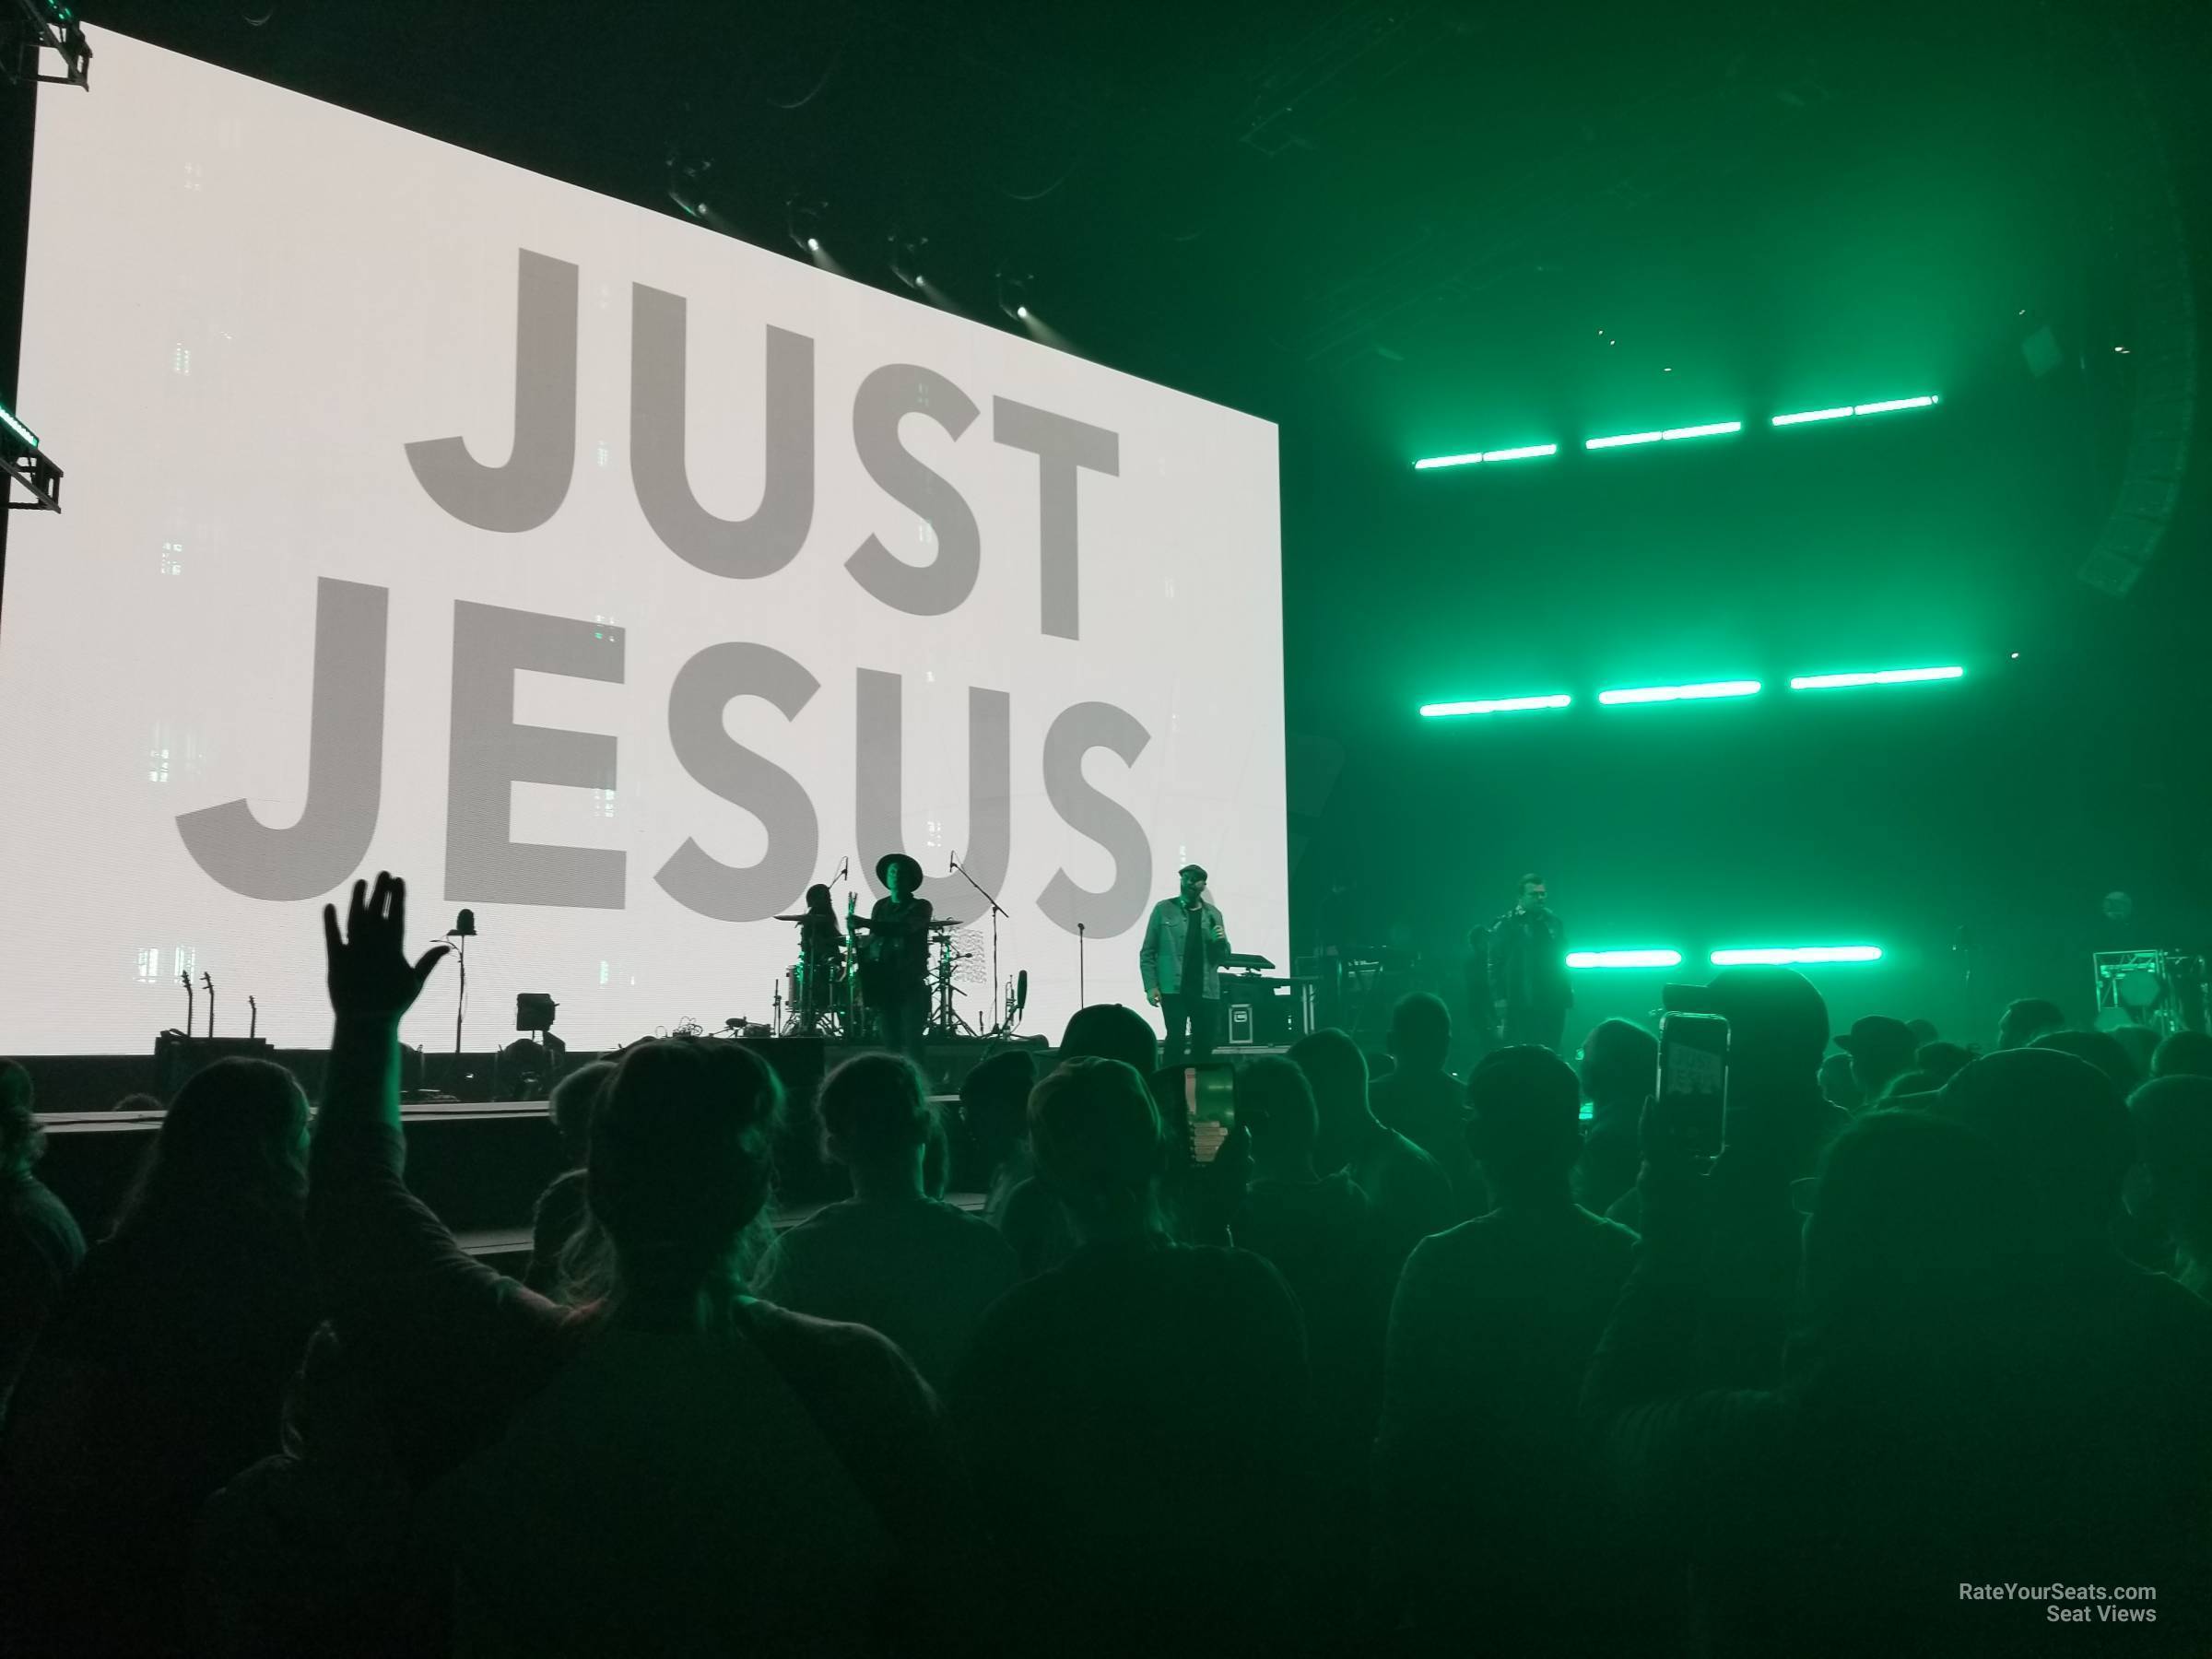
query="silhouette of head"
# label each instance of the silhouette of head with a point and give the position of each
(1420, 1031)
(21, 1137)
(235, 1138)
(2183, 1054)
(1275, 1105)
(2060, 1128)
(1880, 1047)
(1943, 1060)
(875, 1113)
(573, 1102)
(1109, 1031)
(2023, 1021)
(1337, 1070)
(1534, 894)
(2173, 1128)
(1099, 1145)
(1777, 1028)
(679, 1162)
(2100, 1048)
(1911, 1216)
(2141, 1043)
(817, 898)
(1524, 1120)
(995, 1103)
(1620, 1063)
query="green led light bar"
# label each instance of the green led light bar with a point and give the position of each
(1711, 429)
(1848, 410)
(1498, 705)
(1884, 677)
(1624, 438)
(1651, 694)
(19, 428)
(1527, 452)
(1792, 956)
(1623, 959)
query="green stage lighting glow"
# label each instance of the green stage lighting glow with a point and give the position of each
(1621, 440)
(1882, 677)
(19, 428)
(1527, 452)
(1498, 705)
(1712, 429)
(1848, 410)
(1795, 955)
(1623, 959)
(1651, 694)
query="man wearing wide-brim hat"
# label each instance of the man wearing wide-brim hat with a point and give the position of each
(894, 956)
(1184, 947)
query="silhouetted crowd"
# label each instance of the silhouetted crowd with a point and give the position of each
(1919, 1364)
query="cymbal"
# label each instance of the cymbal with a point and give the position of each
(800, 917)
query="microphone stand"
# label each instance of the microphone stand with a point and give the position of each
(184, 979)
(995, 914)
(207, 984)
(1082, 998)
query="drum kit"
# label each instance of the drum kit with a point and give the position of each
(825, 999)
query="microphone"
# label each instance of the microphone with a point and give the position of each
(465, 925)
(952, 860)
(1021, 992)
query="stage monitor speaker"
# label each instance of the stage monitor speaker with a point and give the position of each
(1240, 1022)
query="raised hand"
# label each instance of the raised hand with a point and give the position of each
(370, 974)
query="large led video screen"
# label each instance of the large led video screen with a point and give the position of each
(610, 578)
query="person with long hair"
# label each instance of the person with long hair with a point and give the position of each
(781, 1483)
(163, 1373)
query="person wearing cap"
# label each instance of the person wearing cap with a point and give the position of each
(1881, 1051)
(895, 956)
(1184, 947)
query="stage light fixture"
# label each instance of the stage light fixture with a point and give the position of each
(803, 222)
(1014, 293)
(1499, 705)
(1622, 439)
(1652, 694)
(1713, 429)
(1623, 959)
(1845, 411)
(1792, 956)
(906, 258)
(45, 27)
(28, 464)
(1526, 451)
(1880, 677)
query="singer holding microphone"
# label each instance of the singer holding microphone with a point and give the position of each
(1184, 947)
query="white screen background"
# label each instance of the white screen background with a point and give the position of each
(241, 305)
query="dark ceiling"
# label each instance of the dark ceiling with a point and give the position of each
(1400, 226)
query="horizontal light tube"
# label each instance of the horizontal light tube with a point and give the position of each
(1896, 403)
(19, 430)
(1792, 956)
(1527, 452)
(1712, 429)
(1498, 705)
(1623, 959)
(1648, 694)
(1621, 439)
(1805, 415)
(1882, 677)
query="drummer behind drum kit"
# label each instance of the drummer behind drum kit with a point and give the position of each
(834, 1003)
